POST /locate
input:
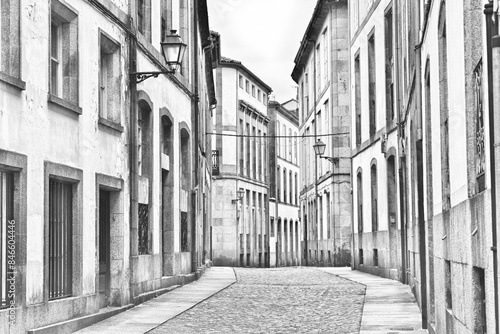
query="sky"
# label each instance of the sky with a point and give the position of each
(264, 35)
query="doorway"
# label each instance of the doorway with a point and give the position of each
(104, 246)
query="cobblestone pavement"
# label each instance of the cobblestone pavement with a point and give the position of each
(282, 300)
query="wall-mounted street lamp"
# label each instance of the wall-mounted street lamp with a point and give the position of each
(319, 149)
(173, 49)
(240, 193)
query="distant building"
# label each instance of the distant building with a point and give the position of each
(240, 229)
(285, 228)
(322, 73)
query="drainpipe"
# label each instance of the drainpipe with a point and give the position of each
(133, 210)
(420, 180)
(315, 156)
(401, 173)
(493, 57)
(195, 145)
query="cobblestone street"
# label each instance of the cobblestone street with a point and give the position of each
(284, 300)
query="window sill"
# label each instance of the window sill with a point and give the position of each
(64, 104)
(13, 81)
(110, 124)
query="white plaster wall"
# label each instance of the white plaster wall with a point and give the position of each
(32, 127)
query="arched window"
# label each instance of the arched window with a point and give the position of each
(374, 195)
(359, 179)
(185, 174)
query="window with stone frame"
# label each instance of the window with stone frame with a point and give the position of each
(360, 201)
(165, 18)
(374, 196)
(357, 98)
(278, 184)
(143, 8)
(64, 64)
(480, 135)
(109, 80)
(10, 54)
(7, 233)
(389, 59)
(372, 88)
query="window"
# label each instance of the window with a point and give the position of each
(253, 90)
(285, 181)
(247, 86)
(60, 239)
(375, 257)
(109, 80)
(278, 184)
(259, 97)
(320, 218)
(361, 259)
(254, 153)
(296, 189)
(290, 148)
(144, 18)
(10, 37)
(290, 186)
(478, 284)
(264, 159)
(447, 284)
(389, 85)
(163, 18)
(264, 99)
(242, 147)
(240, 81)
(328, 214)
(360, 202)
(283, 142)
(357, 98)
(278, 139)
(374, 196)
(295, 147)
(480, 134)
(64, 53)
(325, 55)
(372, 84)
(259, 154)
(248, 149)
(7, 229)
(318, 69)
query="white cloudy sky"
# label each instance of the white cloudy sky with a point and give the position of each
(264, 35)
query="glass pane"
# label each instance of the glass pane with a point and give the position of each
(54, 35)
(54, 82)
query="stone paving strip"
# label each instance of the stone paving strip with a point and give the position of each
(276, 300)
(148, 315)
(389, 305)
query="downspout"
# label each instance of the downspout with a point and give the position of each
(420, 179)
(133, 210)
(353, 252)
(195, 145)
(315, 156)
(399, 139)
(493, 58)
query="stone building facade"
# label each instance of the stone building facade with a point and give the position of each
(374, 140)
(284, 221)
(97, 169)
(436, 229)
(240, 229)
(322, 74)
